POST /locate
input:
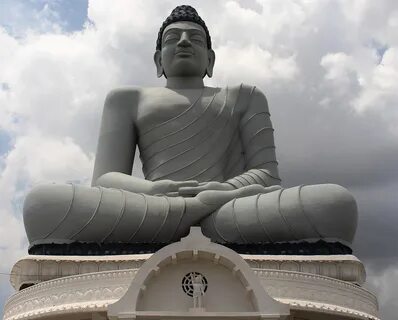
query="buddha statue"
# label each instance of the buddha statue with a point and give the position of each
(208, 157)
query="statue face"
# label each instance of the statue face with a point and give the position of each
(184, 51)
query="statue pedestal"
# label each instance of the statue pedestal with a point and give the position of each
(159, 285)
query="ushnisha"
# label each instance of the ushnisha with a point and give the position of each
(208, 158)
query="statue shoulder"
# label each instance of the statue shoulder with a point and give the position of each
(123, 97)
(251, 98)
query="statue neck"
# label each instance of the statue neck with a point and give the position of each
(184, 83)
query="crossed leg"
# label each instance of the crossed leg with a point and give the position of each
(313, 212)
(254, 214)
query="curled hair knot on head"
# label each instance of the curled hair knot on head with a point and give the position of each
(183, 13)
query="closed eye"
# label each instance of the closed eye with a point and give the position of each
(171, 37)
(198, 39)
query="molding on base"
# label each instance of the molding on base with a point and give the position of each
(36, 269)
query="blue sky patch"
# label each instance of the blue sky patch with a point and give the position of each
(17, 16)
(380, 49)
(5, 142)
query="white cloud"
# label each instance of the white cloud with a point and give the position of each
(369, 86)
(380, 89)
(340, 71)
(39, 159)
(255, 64)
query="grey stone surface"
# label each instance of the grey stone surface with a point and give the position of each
(208, 158)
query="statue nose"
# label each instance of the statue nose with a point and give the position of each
(184, 40)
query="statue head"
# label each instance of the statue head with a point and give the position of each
(183, 47)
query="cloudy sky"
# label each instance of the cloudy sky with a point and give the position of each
(328, 68)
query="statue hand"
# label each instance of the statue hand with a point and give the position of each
(218, 197)
(170, 187)
(191, 191)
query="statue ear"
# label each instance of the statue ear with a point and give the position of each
(210, 66)
(158, 61)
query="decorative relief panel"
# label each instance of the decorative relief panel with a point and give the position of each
(290, 286)
(85, 293)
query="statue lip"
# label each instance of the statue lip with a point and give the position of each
(184, 52)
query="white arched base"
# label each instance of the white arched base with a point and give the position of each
(150, 286)
(232, 289)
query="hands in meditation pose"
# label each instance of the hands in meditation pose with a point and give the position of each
(208, 158)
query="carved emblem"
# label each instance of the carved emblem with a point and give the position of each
(195, 285)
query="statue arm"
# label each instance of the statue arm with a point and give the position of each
(257, 137)
(117, 138)
(116, 148)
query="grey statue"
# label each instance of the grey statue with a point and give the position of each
(208, 158)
